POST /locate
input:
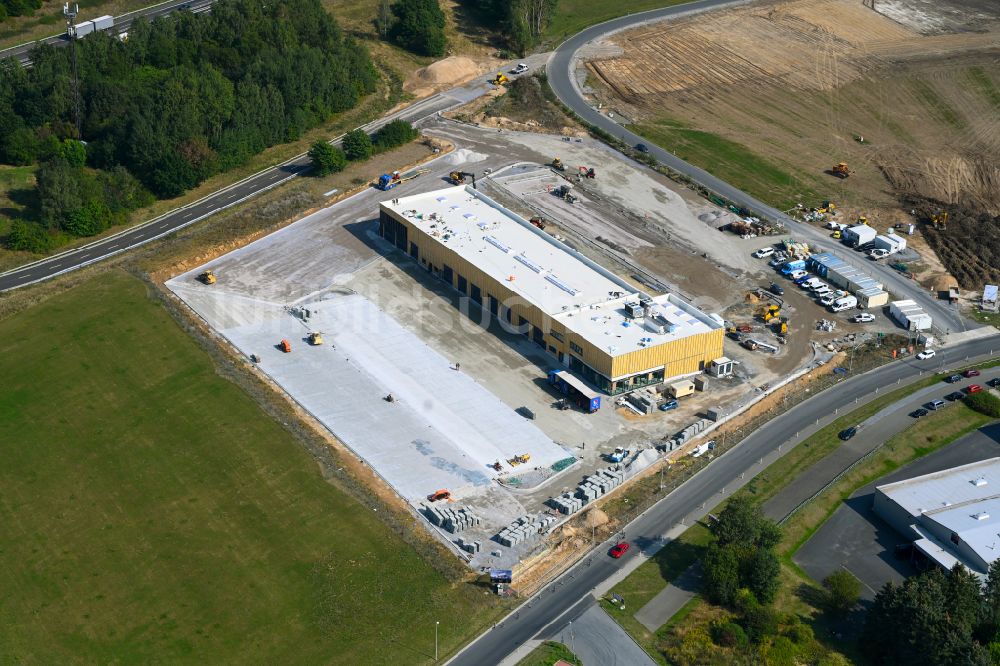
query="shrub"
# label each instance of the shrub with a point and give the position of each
(984, 403)
(843, 591)
(357, 145)
(28, 237)
(759, 623)
(782, 652)
(326, 159)
(396, 133)
(800, 634)
(728, 634)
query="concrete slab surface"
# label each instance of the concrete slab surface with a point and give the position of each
(597, 639)
(670, 599)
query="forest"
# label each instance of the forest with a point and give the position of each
(182, 98)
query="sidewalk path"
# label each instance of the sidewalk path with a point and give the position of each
(671, 599)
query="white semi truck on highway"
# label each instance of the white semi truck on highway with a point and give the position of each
(83, 29)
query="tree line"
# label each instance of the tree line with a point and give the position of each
(183, 98)
(357, 146)
(521, 22)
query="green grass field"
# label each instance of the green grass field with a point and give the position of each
(732, 162)
(152, 513)
(572, 16)
(549, 653)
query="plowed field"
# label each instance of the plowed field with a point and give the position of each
(796, 85)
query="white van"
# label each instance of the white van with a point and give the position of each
(845, 303)
(822, 290)
(811, 283)
(764, 252)
(820, 285)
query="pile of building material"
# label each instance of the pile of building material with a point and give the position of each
(696, 428)
(795, 250)
(451, 520)
(566, 504)
(644, 401)
(524, 528)
(468, 546)
(599, 483)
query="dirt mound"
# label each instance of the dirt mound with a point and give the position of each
(595, 518)
(969, 246)
(444, 74)
(973, 182)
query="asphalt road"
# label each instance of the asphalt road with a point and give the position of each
(562, 79)
(122, 23)
(559, 602)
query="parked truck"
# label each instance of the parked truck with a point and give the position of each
(100, 23)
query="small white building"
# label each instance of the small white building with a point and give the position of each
(872, 298)
(859, 234)
(909, 315)
(952, 516)
(891, 243)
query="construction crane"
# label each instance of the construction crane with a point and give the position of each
(208, 277)
(841, 170)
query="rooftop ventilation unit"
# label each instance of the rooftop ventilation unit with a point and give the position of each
(980, 482)
(635, 310)
(497, 244)
(562, 285)
(529, 263)
(982, 515)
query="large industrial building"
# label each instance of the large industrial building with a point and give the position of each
(952, 516)
(592, 322)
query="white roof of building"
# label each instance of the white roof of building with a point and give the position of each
(561, 282)
(949, 487)
(964, 500)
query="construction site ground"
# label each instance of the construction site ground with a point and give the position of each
(392, 328)
(771, 95)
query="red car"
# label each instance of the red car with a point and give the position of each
(971, 373)
(619, 550)
(973, 388)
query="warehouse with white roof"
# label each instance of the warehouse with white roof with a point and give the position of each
(952, 516)
(591, 321)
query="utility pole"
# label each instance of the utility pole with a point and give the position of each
(436, 640)
(70, 15)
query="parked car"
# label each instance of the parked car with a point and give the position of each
(642, 148)
(520, 69)
(973, 388)
(822, 290)
(955, 395)
(819, 284)
(848, 433)
(863, 318)
(972, 372)
(954, 379)
(935, 404)
(800, 277)
(668, 405)
(917, 413)
(776, 261)
(828, 299)
(619, 550)
(993, 383)
(764, 252)
(776, 289)
(878, 253)
(926, 354)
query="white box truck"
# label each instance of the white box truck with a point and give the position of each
(845, 303)
(104, 22)
(83, 29)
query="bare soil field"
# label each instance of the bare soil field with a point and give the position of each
(796, 86)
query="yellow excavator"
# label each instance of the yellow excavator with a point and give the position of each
(772, 312)
(500, 79)
(208, 277)
(315, 338)
(841, 170)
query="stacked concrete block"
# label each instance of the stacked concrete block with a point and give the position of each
(469, 546)
(566, 504)
(524, 528)
(598, 484)
(452, 520)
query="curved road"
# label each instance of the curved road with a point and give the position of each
(562, 78)
(570, 595)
